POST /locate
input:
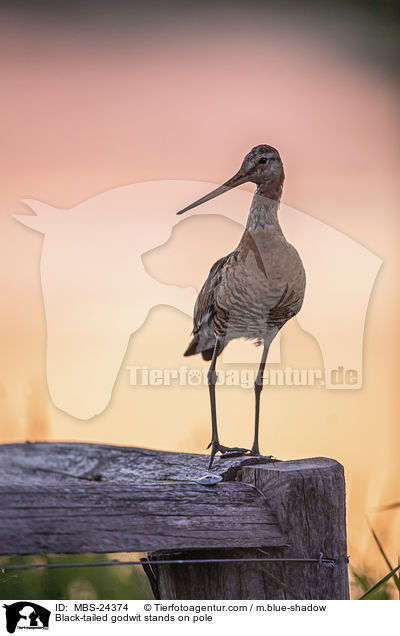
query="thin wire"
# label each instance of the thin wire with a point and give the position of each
(166, 562)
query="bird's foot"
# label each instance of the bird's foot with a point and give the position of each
(226, 452)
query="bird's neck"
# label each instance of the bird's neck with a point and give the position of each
(264, 207)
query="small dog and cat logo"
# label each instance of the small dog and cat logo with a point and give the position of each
(26, 615)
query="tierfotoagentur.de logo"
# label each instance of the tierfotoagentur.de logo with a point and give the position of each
(26, 615)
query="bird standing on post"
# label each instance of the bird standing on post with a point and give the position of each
(253, 291)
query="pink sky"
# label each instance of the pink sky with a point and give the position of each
(84, 112)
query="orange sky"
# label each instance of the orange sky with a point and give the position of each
(84, 112)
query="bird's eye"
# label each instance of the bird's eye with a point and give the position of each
(262, 160)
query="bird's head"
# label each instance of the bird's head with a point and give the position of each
(262, 165)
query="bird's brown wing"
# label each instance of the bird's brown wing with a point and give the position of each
(205, 303)
(203, 335)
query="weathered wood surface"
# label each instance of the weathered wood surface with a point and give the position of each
(124, 517)
(77, 462)
(71, 498)
(308, 498)
(217, 581)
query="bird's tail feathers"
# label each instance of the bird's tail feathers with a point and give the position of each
(203, 346)
(192, 348)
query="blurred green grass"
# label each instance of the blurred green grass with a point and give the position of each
(115, 582)
(361, 582)
(126, 582)
(366, 587)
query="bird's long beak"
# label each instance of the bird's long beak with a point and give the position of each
(239, 178)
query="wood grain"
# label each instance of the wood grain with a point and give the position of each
(308, 497)
(76, 498)
(73, 462)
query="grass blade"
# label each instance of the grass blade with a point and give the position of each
(379, 584)
(391, 506)
(390, 566)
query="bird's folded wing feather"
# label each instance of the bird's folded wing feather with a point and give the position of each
(205, 303)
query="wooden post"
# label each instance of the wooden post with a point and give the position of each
(308, 499)
(218, 581)
(77, 498)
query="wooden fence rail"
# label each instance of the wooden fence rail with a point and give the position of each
(78, 498)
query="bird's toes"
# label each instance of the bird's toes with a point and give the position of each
(214, 450)
(234, 452)
(226, 452)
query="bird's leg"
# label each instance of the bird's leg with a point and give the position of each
(215, 445)
(212, 379)
(258, 387)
